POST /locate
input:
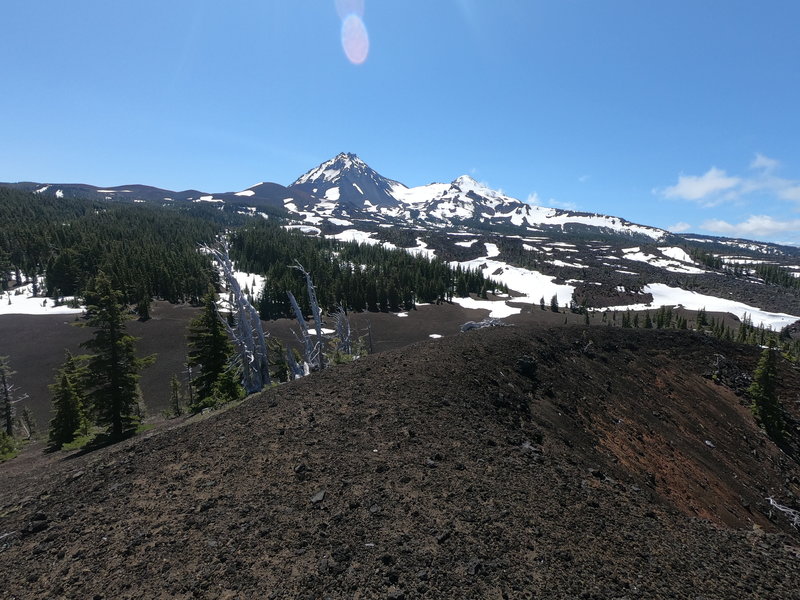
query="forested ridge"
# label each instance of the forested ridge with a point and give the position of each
(146, 251)
(150, 251)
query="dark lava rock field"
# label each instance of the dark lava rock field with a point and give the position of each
(513, 462)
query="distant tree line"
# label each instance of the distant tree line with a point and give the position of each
(146, 251)
(356, 276)
(770, 274)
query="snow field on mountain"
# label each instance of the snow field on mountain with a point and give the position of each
(674, 265)
(531, 284)
(664, 295)
(676, 253)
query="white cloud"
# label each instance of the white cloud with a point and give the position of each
(716, 187)
(562, 204)
(791, 193)
(680, 227)
(764, 163)
(535, 200)
(761, 226)
(701, 187)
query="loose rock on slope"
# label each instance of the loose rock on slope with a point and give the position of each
(506, 463)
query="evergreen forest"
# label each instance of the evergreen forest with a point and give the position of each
(149, 251)
(355, 276)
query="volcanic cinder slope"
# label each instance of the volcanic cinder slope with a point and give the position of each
(515, 462)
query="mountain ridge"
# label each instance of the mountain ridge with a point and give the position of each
(344, 191)
(345, 187)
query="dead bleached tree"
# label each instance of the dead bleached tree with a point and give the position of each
(313, 349)
(791, 514)
(296, 371)
(310, 349)
(8, 396)
(344, 333)
(246, 332)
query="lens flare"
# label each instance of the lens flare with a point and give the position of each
(355, 40)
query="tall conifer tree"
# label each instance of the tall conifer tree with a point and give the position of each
(763, 391)
(114, 369)
(209, 348)
(69, 405)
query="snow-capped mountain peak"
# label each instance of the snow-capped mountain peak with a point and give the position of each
(467, 184)
(348, 180)
(332, 169)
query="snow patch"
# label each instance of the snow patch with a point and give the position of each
(354, 235)
(307, 229)
(421, 250)
(531, 284)
(23, 302)
(664, 295)
(497, 310)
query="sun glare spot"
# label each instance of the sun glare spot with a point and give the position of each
(355, 40)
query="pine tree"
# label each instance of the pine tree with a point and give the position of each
(209, 349)
(143, 308)
(226, 388)
(764, 394)
(554, 303)
(114, 369)
(67, 404)
(175, 396)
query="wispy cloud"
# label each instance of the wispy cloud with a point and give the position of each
(680, 227)
(764, 163)
(562, 204)
(716, 186)
(759, 226)
(584, 178)
(791, 193)
(535, 200)
(701, 187)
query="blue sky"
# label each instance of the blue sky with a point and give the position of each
(679, 114)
